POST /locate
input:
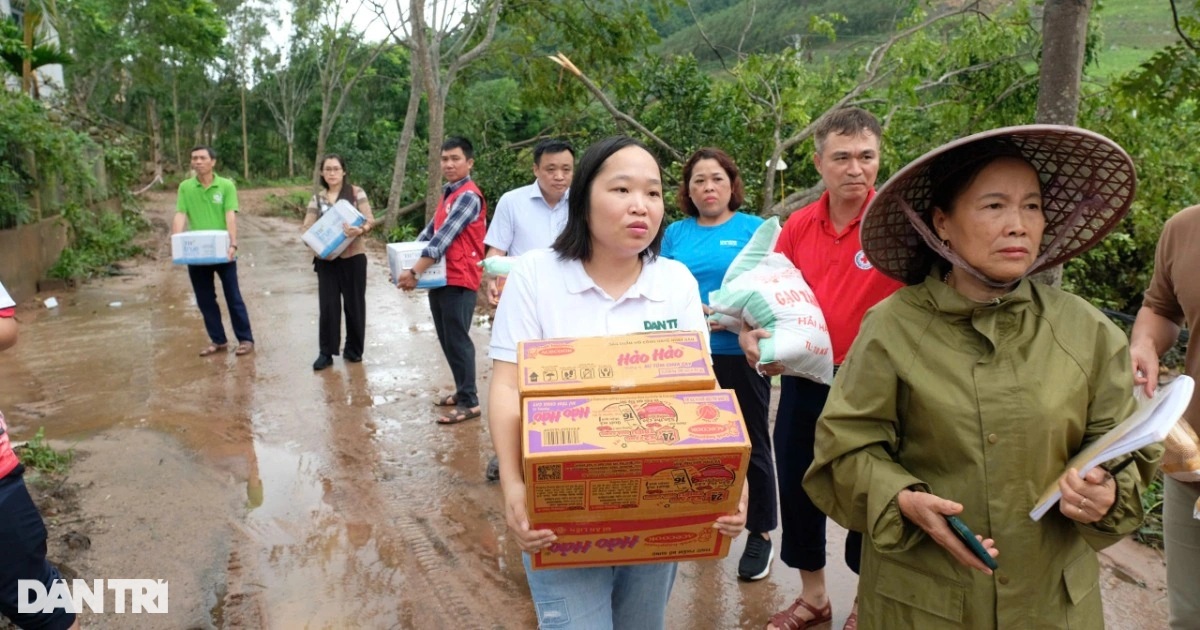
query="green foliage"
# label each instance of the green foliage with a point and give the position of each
(403, 233)
(38, 455)
(32, 136)
(1151, 531)
(99, 238)
(291, 205)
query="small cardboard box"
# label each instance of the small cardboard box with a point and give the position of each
(402, 256)
(633, 542)
(327, 237)
(621, 457)
(200, 247)
(643, 362)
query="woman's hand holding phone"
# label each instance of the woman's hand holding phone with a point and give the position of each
(930, 512)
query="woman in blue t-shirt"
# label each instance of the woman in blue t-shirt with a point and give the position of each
(710, 193)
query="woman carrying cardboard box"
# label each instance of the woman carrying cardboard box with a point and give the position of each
(602, 276)
(342, 280)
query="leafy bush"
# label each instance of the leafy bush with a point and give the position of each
(291, 205)
(100, 238)
(38, 455)
(1151, 531)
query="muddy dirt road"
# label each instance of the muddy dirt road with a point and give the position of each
(271, 496)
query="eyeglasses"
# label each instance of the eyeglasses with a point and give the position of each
(331, 170)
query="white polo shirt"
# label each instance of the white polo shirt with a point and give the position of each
(524, 221)
(546, 297)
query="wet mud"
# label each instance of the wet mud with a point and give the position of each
(275, 497)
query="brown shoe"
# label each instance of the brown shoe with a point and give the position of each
(245, 347)
(786, 619)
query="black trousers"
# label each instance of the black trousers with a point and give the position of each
(453, 309)
(754, 397)
(342, 285)
(205, 287)
(803, 545)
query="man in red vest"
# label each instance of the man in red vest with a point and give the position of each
(456, 233)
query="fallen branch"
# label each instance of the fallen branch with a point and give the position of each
(562, 60)
(157, 180)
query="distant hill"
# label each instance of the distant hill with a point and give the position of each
(776, 24)
(1131, 30)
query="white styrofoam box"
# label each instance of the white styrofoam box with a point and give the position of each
(200, 247)
(402, 256)
(326, 237)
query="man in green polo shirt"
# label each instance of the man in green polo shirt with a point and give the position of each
(209, 202)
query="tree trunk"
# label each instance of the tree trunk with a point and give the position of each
(175, 116)
(437, 133)
(245, 139)
(1064, 38)
(406, 135)
(291, 144)
(155, 124)
(27, 63)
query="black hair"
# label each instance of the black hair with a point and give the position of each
(847, 121)
(552, 146)
(737, 193)
(575, 242)
(459, 142)
(347, 191)
(212, 153)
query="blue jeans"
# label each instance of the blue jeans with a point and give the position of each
(630, 597)
(206, 298)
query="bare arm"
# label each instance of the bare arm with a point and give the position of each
(504, 422)
(8, 332)
(1152, 335)
(493, 285)
(231, 226)
(178, 223)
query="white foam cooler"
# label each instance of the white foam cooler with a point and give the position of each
(326, 237)
(402, 257)
(200, 247)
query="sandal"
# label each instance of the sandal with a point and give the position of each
(245, 347)
(786, 619)
(213, 348)
(448, 401)
(461, 414)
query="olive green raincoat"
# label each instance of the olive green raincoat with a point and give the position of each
(982, 404)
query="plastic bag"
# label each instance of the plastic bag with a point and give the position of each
(1181, 459)
(763, 288)
(498, 265)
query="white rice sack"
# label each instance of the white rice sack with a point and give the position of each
(765, 289)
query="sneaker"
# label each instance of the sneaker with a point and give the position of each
(493, 469)
(756, 559)
(323, 361)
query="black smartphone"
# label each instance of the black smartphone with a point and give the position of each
(972, 543)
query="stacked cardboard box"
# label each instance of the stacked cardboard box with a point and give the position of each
(630, 455)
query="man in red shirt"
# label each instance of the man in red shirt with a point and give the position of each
(821, 239)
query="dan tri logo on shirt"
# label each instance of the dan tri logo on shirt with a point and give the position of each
(661, 324)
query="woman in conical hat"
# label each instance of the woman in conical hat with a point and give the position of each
(967, 392)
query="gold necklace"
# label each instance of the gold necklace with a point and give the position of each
(946, 278)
